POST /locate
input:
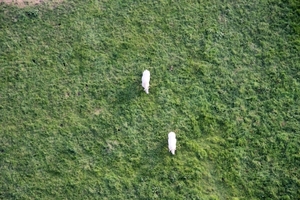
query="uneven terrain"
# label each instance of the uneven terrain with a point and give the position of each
(75, 122)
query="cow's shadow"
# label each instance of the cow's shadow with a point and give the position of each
(130, 92)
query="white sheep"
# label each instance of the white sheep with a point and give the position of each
(146, 81)
(172, 142)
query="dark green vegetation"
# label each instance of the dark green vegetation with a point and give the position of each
(76, 123)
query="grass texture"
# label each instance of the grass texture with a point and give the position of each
(75, 122)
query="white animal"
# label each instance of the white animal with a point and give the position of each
(146, 81)
(172, 142)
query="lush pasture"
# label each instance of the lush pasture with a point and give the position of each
(75, 122)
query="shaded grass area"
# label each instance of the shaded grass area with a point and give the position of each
(75, 122)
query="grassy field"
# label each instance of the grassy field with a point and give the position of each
(75, 122)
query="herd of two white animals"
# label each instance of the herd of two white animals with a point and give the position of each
(171, 135)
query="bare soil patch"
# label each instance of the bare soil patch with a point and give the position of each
(24, 3)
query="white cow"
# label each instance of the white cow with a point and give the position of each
(146, 81)
(172, 142)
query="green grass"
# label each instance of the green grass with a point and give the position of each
(75, 122)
